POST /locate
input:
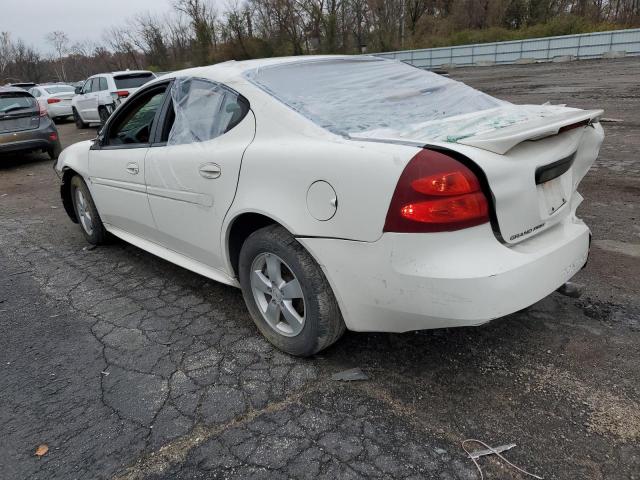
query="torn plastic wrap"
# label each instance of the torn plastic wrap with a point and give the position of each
(460, 127)
(203, 110)
(373, 98)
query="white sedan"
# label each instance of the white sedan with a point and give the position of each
(55, 99)
(342, 192)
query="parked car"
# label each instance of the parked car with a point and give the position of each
(25, 125)
(101, 94)
(342, 192)
(56, 99)
(23, 85)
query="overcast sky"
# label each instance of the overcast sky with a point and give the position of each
(82, 20)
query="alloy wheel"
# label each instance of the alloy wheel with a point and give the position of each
(278, 294)
(84, 214)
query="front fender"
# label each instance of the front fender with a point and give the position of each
(76, 158)
(73, 160)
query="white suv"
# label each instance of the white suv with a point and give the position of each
(96, 100)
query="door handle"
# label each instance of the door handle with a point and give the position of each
(210, 170)
(133, 168)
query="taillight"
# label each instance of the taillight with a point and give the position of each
(436, 193)
(53, 100)
(122, 94)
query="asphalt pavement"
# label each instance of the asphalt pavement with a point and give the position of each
(128, 367)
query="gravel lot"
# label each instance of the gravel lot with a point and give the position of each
(129, 367)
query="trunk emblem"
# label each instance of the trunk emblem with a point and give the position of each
(526, 232)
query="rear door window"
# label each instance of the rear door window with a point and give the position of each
(103, 84)
(132, 80)
(202, 110)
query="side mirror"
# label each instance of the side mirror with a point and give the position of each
(99, 140)
(78, 90)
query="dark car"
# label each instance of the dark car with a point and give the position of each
(25, 125)
(23, 85)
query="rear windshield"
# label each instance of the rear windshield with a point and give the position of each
(368, 95)
(60, 89)
(15, 101)
(133, 80)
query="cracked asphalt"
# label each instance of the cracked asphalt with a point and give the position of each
(129, 367)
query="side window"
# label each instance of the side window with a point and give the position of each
(103, 84)
(133, 125)
(35, 92)
(202, 110)
(87, 88)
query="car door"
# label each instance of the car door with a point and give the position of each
(192, 171)
(103, 96)
(87, 101)
(117, 164)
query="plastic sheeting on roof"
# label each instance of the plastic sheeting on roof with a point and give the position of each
(367, 94)
(368, 97)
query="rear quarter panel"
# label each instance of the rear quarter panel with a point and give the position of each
(290, 153)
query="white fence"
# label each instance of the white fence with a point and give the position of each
(581, 46)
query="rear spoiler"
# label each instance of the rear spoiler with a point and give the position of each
(504, 139)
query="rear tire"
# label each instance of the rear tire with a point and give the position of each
(78, 119)
(86, 213)
(306, 319)
(104, 114)
(54, 153)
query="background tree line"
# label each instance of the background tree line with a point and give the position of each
(196, 33)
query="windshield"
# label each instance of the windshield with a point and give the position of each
(133, 80)
(368, 95)
(60, 89)
(15, 101)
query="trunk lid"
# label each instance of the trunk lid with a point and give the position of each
(18, 112)
(65, 97)
(533, 156)
(533, 169)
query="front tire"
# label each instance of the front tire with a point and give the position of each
(86, 212)
(287, 294)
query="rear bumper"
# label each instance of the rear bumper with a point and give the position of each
(55, 110)
(29, 140)
(409, 282)
(27, 145)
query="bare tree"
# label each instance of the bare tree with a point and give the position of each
(122, 42)
(6, 52)
(27, 63)
(60, 43)
(194, 34)
(203, 19)
(151, 39)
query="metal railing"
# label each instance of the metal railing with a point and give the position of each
(613, 43)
